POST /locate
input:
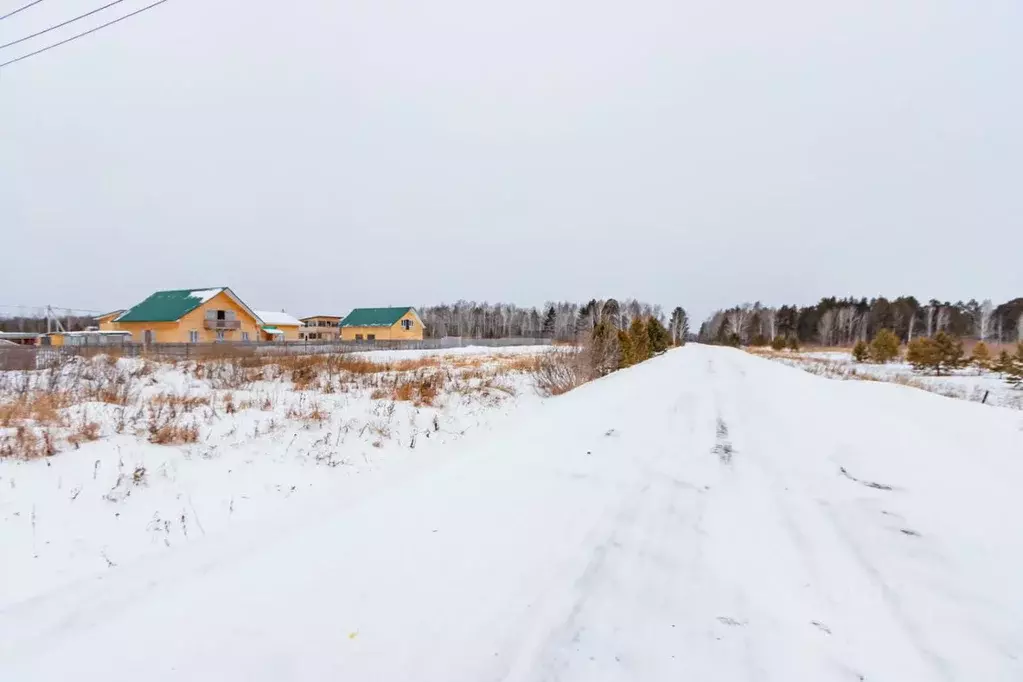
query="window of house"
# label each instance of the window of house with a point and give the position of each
(221, 314)
(147, 336)
(371, 337)
(245, 336)
(220, 335)
(358, 337)
(193, 336)
(407, 324)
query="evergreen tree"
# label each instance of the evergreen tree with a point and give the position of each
(1014, 367)
(627, 350)
(793, 343)
(779, 343)
(884, 347)
(950, 351)
(941, 353)
(1004, 362)
(660, 339)
(981, 356)
(922, 353)
(549, 322)
(640, 340)
(861, 352)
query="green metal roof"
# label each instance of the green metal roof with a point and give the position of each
(374, 317)
(169, 306)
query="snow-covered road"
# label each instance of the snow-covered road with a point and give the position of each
(706, 515)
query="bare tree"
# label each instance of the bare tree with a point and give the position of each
(738, 320)
(944, 315)
(826, 327)
(984, 320)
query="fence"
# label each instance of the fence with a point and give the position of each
(32, 357)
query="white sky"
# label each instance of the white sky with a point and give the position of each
(321, 155)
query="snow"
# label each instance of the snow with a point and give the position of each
(274, 319)
(971, 383)
(706, 515)
(205, 294)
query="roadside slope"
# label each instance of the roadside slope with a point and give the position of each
(705, 514)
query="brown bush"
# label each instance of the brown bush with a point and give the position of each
(25, 443)
(40, 407)
(173, 434)
(560, 371)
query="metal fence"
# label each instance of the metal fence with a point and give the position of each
(33, 357)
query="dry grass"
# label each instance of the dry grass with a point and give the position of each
(559, 372)
(43, 408)
(173, 434)
(38, 415)
(28, 443)
(85, 432)
(180, 403)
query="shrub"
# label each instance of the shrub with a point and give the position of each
(779, 343)
(884, 347)
(557, 372)
(604, 349)
(758, 340)
(793, 343)
(860, 351)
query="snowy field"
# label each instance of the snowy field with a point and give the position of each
(706, 515)
(970, 383)
(122, 484)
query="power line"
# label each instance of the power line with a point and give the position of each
(80, 35)
(41, 307)
(11, 14)
(65, 23)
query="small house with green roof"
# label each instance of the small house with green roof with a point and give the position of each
(382, 324)
(189, 316)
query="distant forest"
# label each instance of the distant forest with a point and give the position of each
(563, 321)
(844, 321)
(37, 325)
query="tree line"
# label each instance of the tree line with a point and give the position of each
(844, 321)
(37, 325)
(561, 321)
(605, 344)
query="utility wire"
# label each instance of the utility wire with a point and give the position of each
(11, 14)
(80, 35)
(65, 23)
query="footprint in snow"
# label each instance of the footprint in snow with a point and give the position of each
(731, 622)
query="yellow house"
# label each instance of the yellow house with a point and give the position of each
(320, 328)
(189, 316)
(278, 326)
(106, 320)
(382, 324)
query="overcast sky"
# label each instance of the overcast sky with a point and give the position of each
(325, 154)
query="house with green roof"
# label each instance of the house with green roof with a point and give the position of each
(188, 316)
(382, 324)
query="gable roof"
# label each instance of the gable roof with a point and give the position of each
(313, 317)
(375, 317)
(277, 319)
(172, 305)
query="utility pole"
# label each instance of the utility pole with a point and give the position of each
(51, 319)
